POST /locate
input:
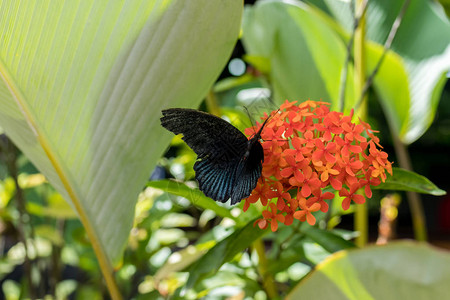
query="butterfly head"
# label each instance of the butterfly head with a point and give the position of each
(257, 135)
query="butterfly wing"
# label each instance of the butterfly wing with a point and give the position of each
(220, 148)
(248, 173)
(216, 181)
(209, 136)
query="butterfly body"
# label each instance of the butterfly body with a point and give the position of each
(228, 164)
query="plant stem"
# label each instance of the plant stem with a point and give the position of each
(212, 104)
(388, 218)
(361, 214)
(267, 278)
(362, 222)
(56, 266)
(414, 201)
(343, 79)
(10, 157)
(387, 46)
(362, 86)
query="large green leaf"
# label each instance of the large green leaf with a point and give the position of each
(401, 270)
(83, 86)
(413, 74)
(306, 55)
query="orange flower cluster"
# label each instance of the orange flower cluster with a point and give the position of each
(307, 147)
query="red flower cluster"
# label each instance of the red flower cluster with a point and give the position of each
(307, 147)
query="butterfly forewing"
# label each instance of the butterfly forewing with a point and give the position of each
(208, 135)
(229, 164)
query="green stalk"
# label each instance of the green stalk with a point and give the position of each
(212, 104)
(361, 214)
(414, 201)
(267, 278)
(9, 153)
(402, 154)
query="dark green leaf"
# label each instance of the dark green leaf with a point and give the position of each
(404, 180)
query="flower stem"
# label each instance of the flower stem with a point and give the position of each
(414, 200)
(361, 216)
(343, 79)
(267, 278)
(10, 156)
(386, 48)
(212, 104)
(388, 218)
(361, 222)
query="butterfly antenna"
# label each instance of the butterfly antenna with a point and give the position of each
(258, 134)
(252, 120)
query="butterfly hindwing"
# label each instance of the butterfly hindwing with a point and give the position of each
(249, 172)
(216, 180)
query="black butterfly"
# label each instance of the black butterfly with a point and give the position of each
(228, 164)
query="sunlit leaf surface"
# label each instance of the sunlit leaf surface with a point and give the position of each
(401, 270)
(298, 45)
(413, 74)
(83, 84)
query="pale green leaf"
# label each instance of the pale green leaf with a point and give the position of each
(49, 233)
(401, 270)
(179, 260)
(411, 78)
(83, 86)
(306, 55)
(55, 207)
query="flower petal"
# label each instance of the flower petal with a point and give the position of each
(310, 219)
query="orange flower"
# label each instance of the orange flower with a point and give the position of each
(306, 211)
(320, 198)
(351, 195)
(281, 195)
(307, 147)
(273, 216)
(325, 151)
(326, 171)
(261, 193)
